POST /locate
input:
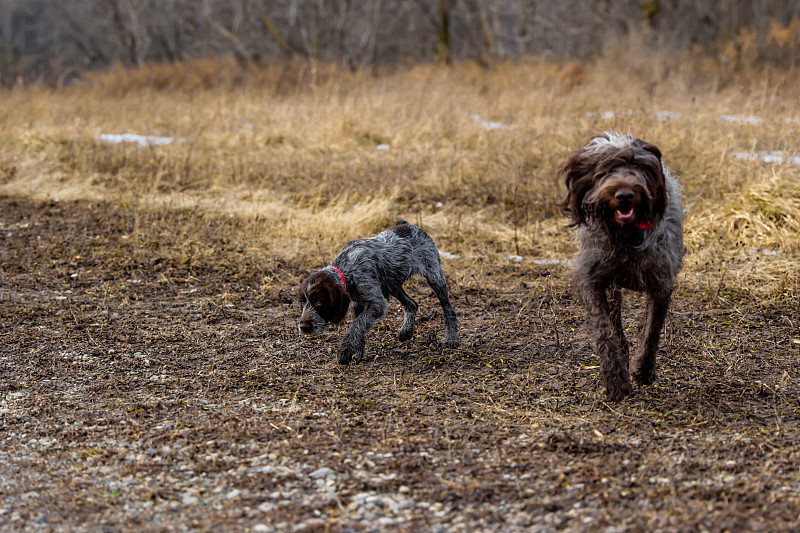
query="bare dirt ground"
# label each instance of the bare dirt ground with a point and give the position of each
(151, 378)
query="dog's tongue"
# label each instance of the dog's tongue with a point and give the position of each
(627, 216)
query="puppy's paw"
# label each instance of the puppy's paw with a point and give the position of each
(345, 355)
(349, 353)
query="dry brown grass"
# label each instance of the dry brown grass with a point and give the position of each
(306, 153)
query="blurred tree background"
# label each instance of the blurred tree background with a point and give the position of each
(54, 41)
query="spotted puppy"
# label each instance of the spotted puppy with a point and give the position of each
(365, 273)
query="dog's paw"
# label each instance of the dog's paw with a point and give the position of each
(618, 391)
(345, 355)
(451, 343)
(643, 370)
(404, 334)
(349, 354)
(645, 378)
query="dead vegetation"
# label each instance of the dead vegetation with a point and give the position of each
(153, 377)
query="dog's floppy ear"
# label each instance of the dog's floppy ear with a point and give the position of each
(326, 295)
(658, 185)
(652, 148)
(340, 303)
(579, 178)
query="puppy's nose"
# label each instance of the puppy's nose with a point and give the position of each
(624, 195)
(305, 327)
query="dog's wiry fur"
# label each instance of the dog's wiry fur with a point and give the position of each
(374, 269)
(628, 211)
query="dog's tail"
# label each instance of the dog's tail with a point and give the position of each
(405, 230)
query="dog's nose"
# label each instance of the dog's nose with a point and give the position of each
(305, 327)
(624, 195)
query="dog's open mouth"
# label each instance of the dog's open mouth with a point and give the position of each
(623, 217)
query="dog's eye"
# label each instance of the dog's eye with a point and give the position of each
(317, 303)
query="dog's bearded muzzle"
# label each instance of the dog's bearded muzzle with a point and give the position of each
(622, 200)
(311, 322)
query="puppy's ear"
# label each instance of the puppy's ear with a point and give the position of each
(325, 294)
(340, 303)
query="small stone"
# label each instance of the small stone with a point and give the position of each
(323, 472)
(312, 524)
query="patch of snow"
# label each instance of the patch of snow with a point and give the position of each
(667, 115)
(551, 262)
(765, 252)
(448, 255)
(515, 258)
(488, 125)
(141, 140)
(769, 156)
(742, 119)
(608, 115)
(382, 147)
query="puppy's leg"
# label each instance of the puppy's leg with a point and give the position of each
(643, 366)
(435, 278)
(409, 314)
(607, 343)
(352, 344)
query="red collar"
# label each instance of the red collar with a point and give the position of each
(644, 225)
(341, 275)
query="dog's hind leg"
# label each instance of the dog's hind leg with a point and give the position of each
(409, 314)
(435, 278)
(643, 366)
(353, 342)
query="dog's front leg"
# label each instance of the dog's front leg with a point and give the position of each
(438, 283)
(352, 344)
(608, 345)
(615, 315)
(643, 366)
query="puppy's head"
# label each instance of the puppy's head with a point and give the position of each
(617, 181)
(324, 301)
